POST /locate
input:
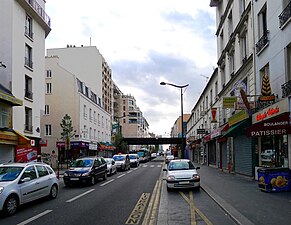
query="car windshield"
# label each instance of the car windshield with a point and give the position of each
(82, 163)
(181, 166)
(119, 158)
(132, 156)
(9, 173)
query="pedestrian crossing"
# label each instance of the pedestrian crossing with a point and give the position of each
(151, 166)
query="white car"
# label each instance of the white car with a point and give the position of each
(25, 182)
(111, 166)
(134, 160)
(181, 173)
(169, 158)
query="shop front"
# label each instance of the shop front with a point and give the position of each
(270, 129)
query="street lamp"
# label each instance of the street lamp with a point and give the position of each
(182, 128)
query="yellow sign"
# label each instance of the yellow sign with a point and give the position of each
(228, 102)
(240, 116)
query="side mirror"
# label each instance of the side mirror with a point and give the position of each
(165, 169)
(26, 179)
(198, 167)
(113, 163)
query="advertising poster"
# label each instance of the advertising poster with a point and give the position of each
(26, 154)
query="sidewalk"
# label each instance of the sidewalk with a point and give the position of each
(242, 199)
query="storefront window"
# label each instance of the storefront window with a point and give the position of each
(274, 151)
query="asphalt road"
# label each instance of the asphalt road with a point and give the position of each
(124, 198)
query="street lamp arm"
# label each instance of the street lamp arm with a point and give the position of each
(174, 85)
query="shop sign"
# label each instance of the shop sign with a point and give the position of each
(240, 116)
(271, 111)
(213, 113)
(25, 154)
(43, 143)
(238, 86)
(276, 126)
(215, 133)
(228, 102)
(200, 131)
(60, 144)
(93, 146)
(241, 105)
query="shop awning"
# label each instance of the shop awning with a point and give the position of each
(23, 141)
(13, 137)
(237, 129)
(6, 96)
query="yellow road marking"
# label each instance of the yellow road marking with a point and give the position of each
(192, 209)
(137, 212)
(203, 217)
(156, 204)
(149, 209)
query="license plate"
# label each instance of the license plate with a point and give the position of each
(184, 182)
(74, 179)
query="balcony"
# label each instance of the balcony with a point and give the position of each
(38, 13)
(286, 88)
(262, 43)
(285, 16)
(28, 94)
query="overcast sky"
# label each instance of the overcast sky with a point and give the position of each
(144, 42)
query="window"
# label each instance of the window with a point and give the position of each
(230, 24)
(4, 112)
(30, 173)
(216, 89)
(231, 63)
(98, 119)
(90, 133)
(41, 171)
(48, 88)
(242, 6)
(48, 74)
(244, 47)
(48, 130)
(94, 117)
(288, 62)
(28, 119)
(28, 87)
(46, 110)
(85, 112)
(262, 20)
(28, 56)
(28, 26)
(90, 115)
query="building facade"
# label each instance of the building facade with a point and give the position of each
(24, 27)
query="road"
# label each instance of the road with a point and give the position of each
(129, 197)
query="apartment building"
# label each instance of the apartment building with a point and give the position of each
(24, 27)
(272, 36)
(80, 98)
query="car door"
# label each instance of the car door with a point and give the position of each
(97, 168)
(44, 180)
(29, 190)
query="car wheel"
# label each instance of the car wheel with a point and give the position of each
(92, 180)
(105, 176)
(11, 205)
(54, 192)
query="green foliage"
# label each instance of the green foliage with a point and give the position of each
(67, 127)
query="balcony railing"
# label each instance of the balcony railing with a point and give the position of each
(264, 40)
(40, 11)
(286, 89)
(28, 94)
(285, 15)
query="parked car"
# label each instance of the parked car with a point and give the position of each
(25, 182)
(134, 160)
(86, 170)
(181, 173)
(169, 158)
(153, 155)
(111, 166)
(122, 162)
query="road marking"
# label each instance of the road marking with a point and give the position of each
(138, 210)
(192, 209)
(101, 185)
(35, 217)
(121, 175)
(79, 196)
(156, 204)
(203, 217)
(129, 171)
(149, 209)
(159, 166)
(152, 165)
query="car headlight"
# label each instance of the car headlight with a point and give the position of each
(86, 174)
(196, 176)
(1, 189)
(171, 177)
(66, 174)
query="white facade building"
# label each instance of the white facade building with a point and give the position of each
(24, 27)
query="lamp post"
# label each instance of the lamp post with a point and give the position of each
(182, 128)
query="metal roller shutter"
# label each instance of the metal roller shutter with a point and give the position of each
(243, 155)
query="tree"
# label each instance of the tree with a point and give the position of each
(68, 131)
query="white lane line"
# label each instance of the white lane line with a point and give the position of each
(101, 185)
(159, 165)
(152, 165)
(35, 217)
(79, 196)
(129, 171)
(121, 175)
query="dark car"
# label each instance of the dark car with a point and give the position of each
(86, 170)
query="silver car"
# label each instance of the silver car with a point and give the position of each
(181, 173)
(25, 182)
(111, 166)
